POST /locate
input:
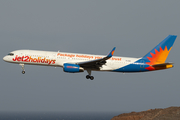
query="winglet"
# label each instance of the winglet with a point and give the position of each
(111, 53)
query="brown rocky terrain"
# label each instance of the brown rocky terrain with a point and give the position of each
(171, 113)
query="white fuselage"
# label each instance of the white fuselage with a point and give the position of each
(57, 59)
(76, 62)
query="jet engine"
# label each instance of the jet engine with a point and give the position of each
(72, 68)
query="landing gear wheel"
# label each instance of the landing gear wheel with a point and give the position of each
(91, 77)
(23, 72)
(87, 76)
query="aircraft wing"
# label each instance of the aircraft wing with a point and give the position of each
(95, 64)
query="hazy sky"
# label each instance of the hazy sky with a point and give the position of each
(94, 27)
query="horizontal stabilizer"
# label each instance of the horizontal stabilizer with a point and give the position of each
(163, 66)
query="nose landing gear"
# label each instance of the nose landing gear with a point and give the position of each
(23, 70)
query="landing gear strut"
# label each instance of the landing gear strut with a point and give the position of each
(23, 70)
(89, 76)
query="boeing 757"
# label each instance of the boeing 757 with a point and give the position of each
(75, 62)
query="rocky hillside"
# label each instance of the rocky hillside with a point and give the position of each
(171, 113)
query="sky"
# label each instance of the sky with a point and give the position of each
(90, 27)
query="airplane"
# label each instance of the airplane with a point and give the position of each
(76, 62)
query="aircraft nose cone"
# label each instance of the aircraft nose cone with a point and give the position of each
(5, 58)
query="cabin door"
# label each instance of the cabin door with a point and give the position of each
(142, 64)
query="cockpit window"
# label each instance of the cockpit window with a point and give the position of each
(11, 54)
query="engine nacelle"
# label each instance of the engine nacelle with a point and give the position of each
(72, 68)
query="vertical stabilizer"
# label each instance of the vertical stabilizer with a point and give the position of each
(159, 54)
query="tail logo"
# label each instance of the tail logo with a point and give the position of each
(112, 53)
(158, 58)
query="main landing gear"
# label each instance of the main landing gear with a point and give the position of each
(23, 70)
(89, 75)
